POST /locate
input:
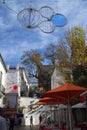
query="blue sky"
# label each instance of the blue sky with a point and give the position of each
(14, 39)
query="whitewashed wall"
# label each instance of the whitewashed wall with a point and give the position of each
(11, 80)
(3, 77)
(2, 69)
(57, 79)
(13, 77)
(1, 104)
(26, 101)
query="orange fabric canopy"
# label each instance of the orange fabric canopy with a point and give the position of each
(53, 100)
(67, 90)
(46, 103)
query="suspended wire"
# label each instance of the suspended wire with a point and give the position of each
(10, 8)
(51, 1)
(4, 2)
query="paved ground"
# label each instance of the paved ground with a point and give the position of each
(35, 128)
(26, 128)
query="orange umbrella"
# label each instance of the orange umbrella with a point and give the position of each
(46, 103)
(55, 100)
(46, 99)
(67, 91)
(51, 101)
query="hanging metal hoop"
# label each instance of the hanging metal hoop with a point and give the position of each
(29, 18)
(45, 18)
(46, 12)
(47, 26)
(59, 20)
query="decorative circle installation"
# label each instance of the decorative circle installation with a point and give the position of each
(59, 20)
(45, 18)
(29, 18)
(47, 26)
(46, 12)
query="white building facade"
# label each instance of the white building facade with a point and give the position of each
(17, 85)
(57, 79)
(17, 81)
(3, 72)
(13, 85)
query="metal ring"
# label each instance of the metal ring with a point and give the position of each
(29, 17)
(59, 20)
(46, 12)
(47, 26)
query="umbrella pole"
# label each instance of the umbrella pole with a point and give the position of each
(69, 109)
(46, 118)
(58, 110)
(51, 114)
(67, 118)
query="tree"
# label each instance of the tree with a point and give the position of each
(80, 75)
(77, 50)
(31, 60)
(76, 43)
(85, 55)
(57, 51)
(63, 54)
(51, 53)
(31, 92)
(70, 51)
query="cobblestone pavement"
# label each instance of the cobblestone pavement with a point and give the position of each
(26, 128)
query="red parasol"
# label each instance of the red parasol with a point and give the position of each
(54, 100)
(67, 91)
(46, 103)
(51, 101)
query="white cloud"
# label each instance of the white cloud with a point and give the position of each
(2, 24)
